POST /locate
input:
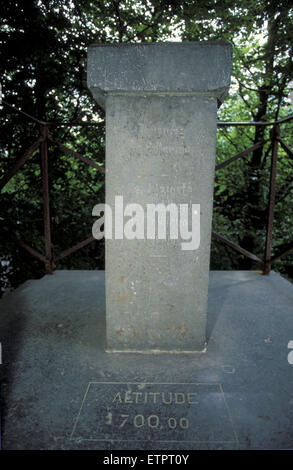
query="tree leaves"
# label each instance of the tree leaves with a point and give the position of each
(43, 71)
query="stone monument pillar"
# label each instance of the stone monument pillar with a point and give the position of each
(161, 103)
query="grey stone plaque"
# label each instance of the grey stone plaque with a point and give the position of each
(159, 412)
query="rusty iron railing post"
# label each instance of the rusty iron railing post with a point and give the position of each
(272, 194)
(46, 203)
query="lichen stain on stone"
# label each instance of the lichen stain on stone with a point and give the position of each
(123, 299)
(134, 331)
(179, 329)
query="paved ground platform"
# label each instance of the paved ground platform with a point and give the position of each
(60, 390)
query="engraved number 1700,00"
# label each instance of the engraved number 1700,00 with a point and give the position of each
(152, 421)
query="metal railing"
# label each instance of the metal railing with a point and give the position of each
(41, 143)
(276, 140)
(45, 138)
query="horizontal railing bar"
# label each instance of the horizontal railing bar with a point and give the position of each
(244, 123)
(44, 123)
(76, 124)
(24, 113)
(78, 155)
(285, 146)
(73, 249)
(236, 247)
(20, 162)
(220, 123)
(256, 123)
(242, 154)
(286, 119)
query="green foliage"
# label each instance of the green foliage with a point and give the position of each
(43, 69)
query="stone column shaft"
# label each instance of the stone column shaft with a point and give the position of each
(161, 105)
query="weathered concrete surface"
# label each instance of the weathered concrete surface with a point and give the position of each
(156, 292)
(159, 67)
(58, 384)
(161, 105)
